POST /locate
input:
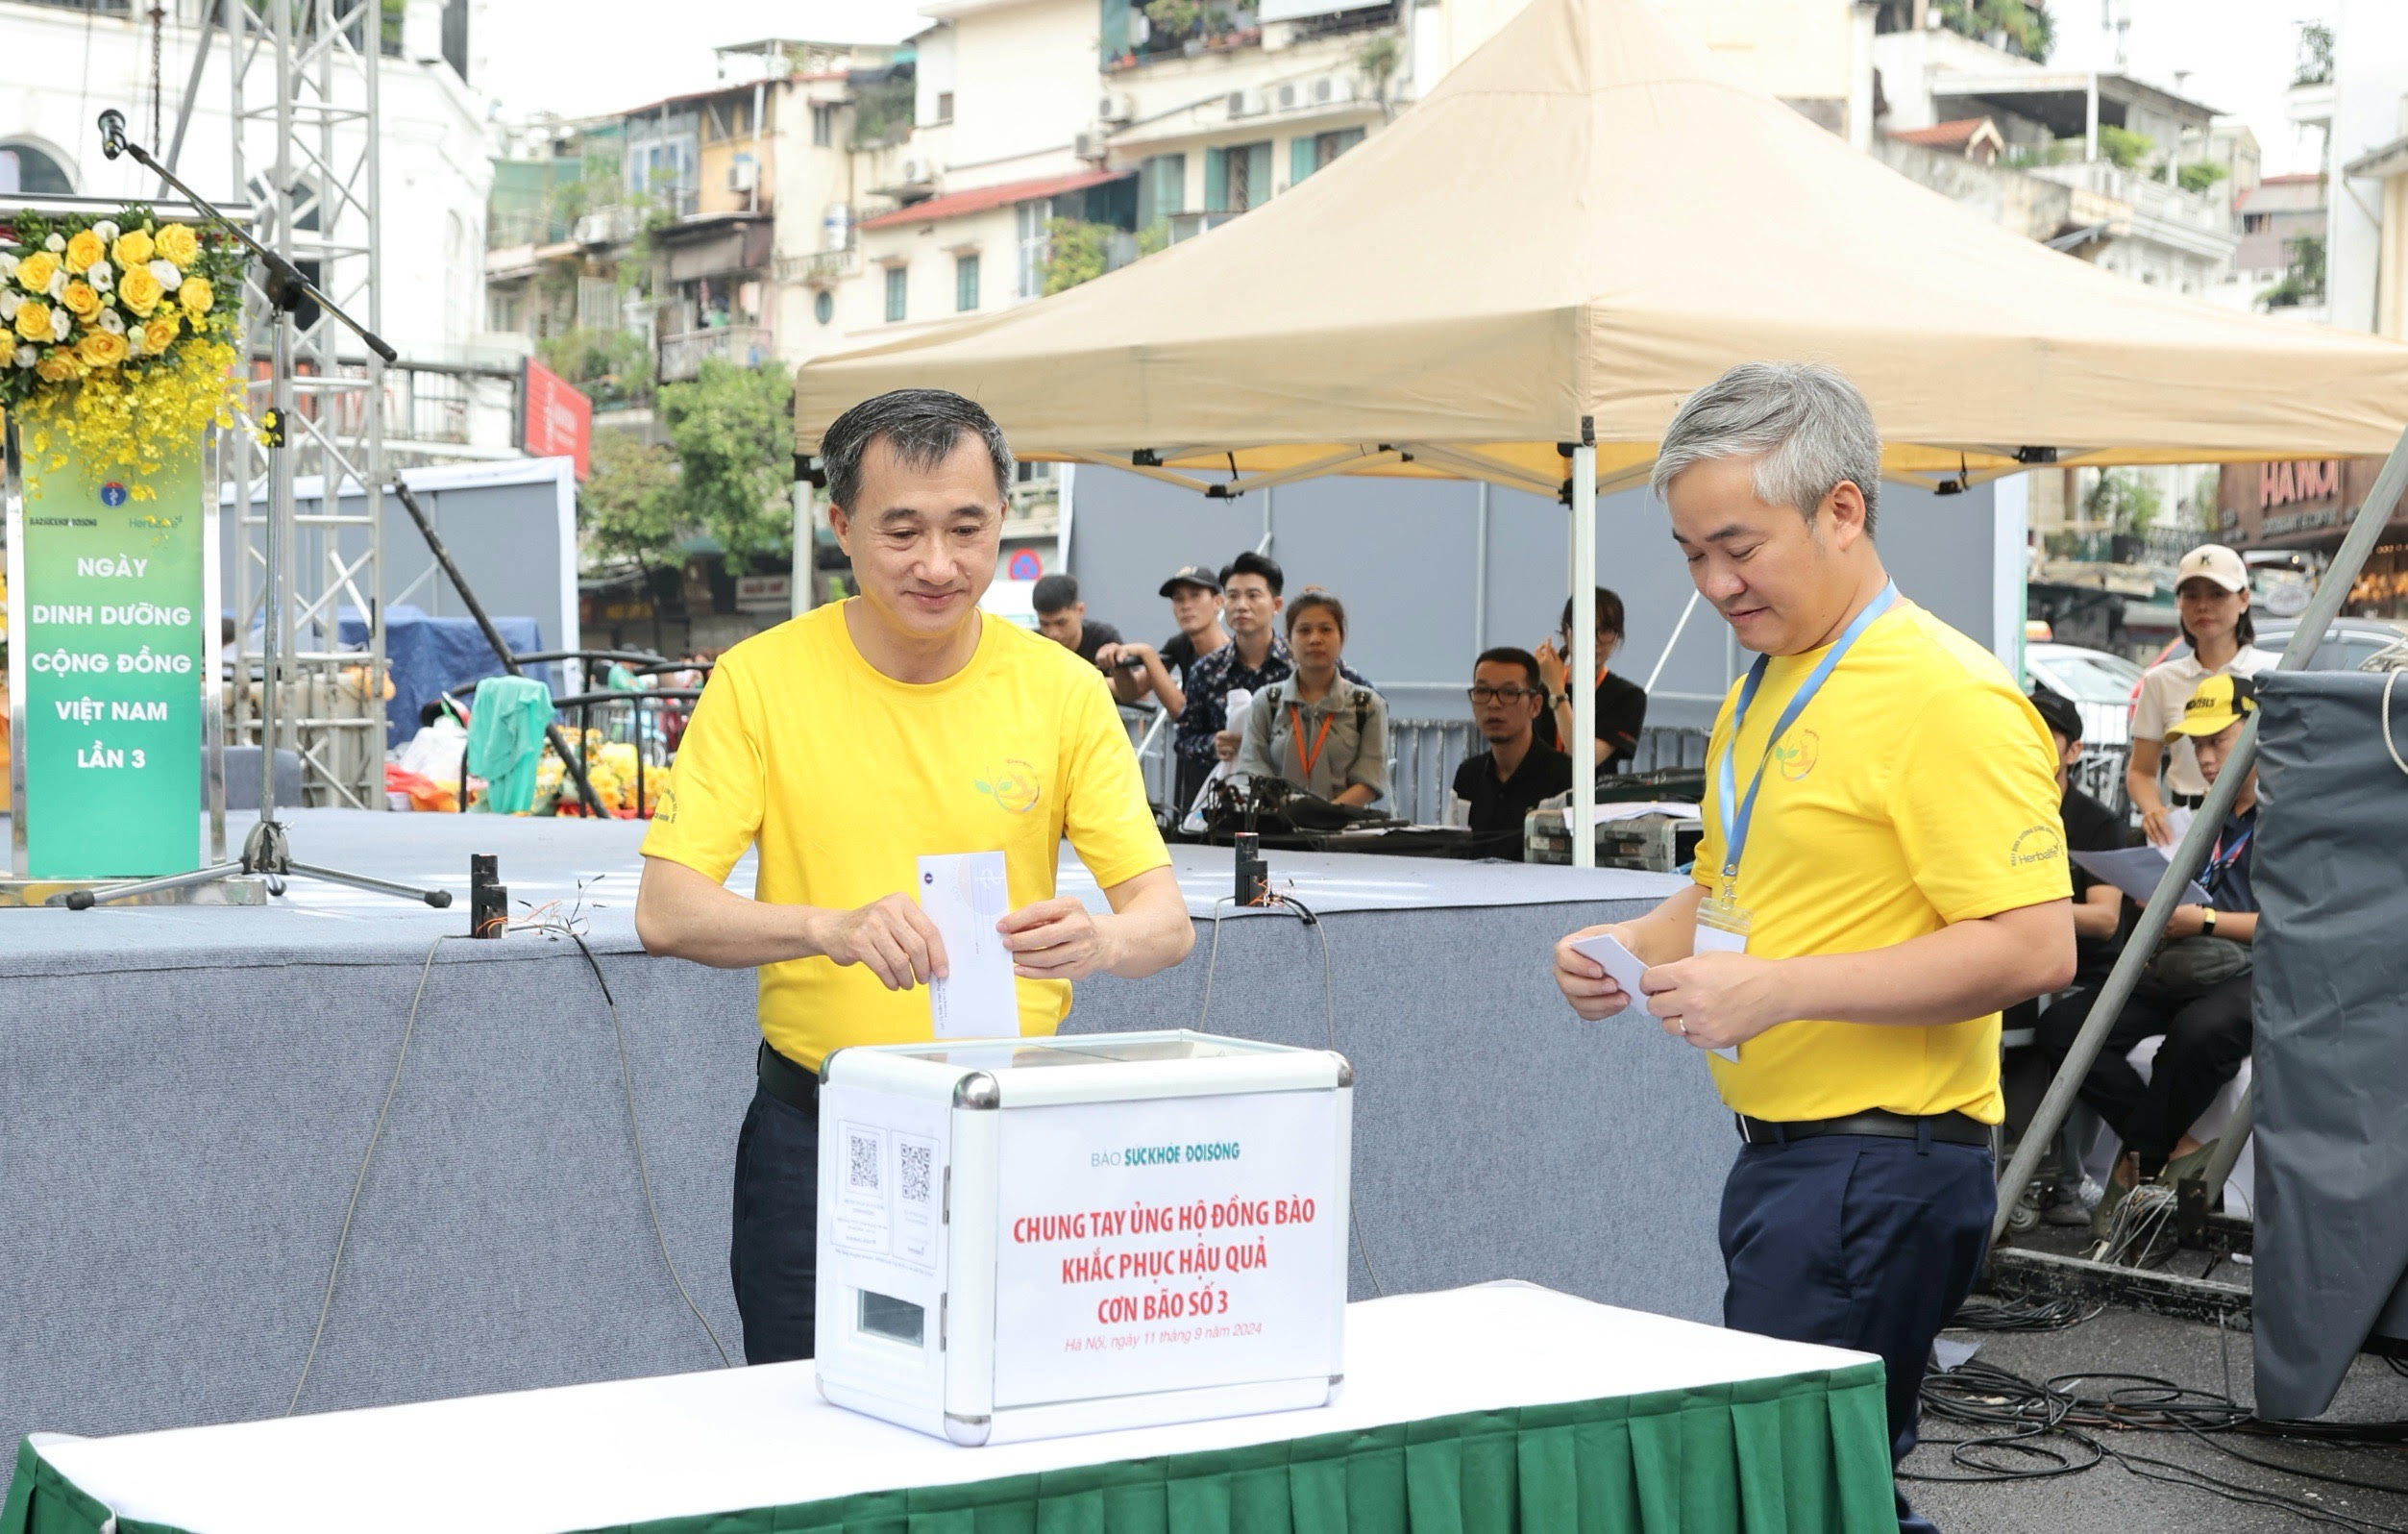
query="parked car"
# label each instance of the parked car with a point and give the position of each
(2101, 684)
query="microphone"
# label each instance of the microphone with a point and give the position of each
(112, 134)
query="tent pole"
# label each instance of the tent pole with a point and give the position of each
(1480, 575)
(806, 561)
(1690, 608)
(2374, 515)
(1580, 666)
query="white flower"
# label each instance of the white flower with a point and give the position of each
(8, 266)
(112, 321)
(9, 299)
(133, 342)
(61, 322)
(26, 357)
(106, 229)
(102, 276)
(168, 277)
(58, 284)
(55, 243)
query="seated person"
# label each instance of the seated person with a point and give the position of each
(2099, 907)
(1062, 617)
(1621, 703)
(2197, 989)
(1320, 730)
(1138, 669)
(1497, 788)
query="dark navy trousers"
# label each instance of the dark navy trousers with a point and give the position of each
(773, 1250)
(1858, 1242)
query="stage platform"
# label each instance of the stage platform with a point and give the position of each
(191, 1088)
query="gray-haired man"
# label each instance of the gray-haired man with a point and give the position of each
(1882, 869)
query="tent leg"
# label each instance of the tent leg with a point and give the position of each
(806, 551)
(1580, 666)
(2373, 514)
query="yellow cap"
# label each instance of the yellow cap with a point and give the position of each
(2216, 704)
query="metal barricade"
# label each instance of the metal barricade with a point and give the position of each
(1423, 754)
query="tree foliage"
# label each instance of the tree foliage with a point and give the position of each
(2030, 29)
(1075, 252)
(632, 502)
(2199, 175)
(2315, 64)
(2303, 280)
(2124, 147)
(2125, 499)
(734, 433)
(613, 366)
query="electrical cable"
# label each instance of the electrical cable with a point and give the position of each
(2032, 1431)
(2022, 1314)
(557, 926)
(1329, 1014)
(2397, 760)
(375, 1131)
(635, 1131)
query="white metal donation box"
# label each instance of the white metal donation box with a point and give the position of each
(1025, 1238)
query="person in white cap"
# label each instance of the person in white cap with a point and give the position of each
(2211, 593)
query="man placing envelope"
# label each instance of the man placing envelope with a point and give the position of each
(851, 743)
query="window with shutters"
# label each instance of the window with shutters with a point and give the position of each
(897, 278)
(1029, 225)
(965, 283)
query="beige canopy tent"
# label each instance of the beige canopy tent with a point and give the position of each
(1584, 222)
(1525, 274)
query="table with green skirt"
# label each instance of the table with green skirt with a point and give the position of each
(1488, 1410)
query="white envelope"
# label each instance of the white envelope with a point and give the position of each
(965, 894)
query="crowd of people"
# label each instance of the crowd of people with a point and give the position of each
(1313, 723)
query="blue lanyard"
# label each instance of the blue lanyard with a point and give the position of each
(2219, 861)
(1737, 812)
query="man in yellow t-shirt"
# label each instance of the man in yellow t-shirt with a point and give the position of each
(1882, 869)
(851, 742)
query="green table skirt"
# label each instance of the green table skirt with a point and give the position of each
(1799, 1454)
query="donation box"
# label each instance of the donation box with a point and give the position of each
(1025, 1238)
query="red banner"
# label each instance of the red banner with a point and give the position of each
(558, 419)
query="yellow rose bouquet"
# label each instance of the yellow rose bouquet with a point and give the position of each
(117, 338)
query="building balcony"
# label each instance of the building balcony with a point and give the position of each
(745, 345)
(2188, 221)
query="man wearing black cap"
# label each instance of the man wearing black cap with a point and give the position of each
(1195, 594)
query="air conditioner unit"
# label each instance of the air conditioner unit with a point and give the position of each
(1245, 104)
(1329, 89)
(742, 175)
(913, 172)
(1116, 108)
(1091, 143)
(1291, 95)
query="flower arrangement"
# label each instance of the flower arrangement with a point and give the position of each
(117, 339)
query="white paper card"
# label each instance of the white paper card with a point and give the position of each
(1621, 964)
(2136, 872)
(1716, 940)
(965, 894)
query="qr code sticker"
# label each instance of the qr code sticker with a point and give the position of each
(918, 1161)
(861, 1162)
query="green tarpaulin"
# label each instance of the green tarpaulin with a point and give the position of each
(1799, 1454)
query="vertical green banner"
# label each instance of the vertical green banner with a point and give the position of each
(113, 607)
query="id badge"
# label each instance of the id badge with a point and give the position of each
(1722, 927)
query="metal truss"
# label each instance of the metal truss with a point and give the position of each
(305, 155)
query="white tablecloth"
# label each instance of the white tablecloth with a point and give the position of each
(632, 1450)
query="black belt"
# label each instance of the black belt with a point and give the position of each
(1950, 1129)
(2188, 801)
(788, 1083)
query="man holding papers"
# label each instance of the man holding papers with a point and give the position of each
(1882, 869)
(852, 744)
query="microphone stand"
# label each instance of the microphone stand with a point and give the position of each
(268, 849)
